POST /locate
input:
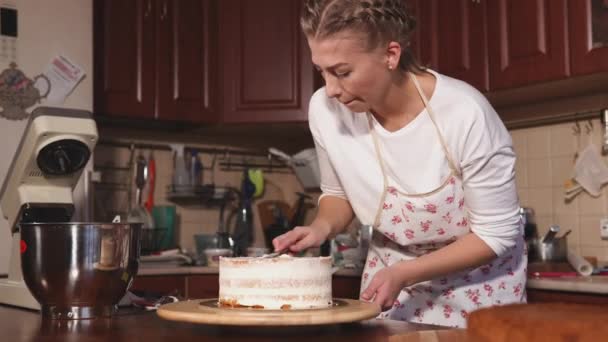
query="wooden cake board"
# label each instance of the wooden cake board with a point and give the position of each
(206, 311)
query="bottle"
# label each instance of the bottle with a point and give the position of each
(196, 170)
(181, 176)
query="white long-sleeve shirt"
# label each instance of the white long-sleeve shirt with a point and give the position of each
(416, 163)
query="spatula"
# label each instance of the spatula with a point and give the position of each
(275, 254)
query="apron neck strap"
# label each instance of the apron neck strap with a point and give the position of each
(429, 109)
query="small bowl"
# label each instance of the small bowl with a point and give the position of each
(213, 255)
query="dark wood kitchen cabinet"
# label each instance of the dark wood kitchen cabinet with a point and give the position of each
(588, 21)
(161, 285)
(550, 296)
(156, 59)
(451, 38)
(267, 72)
(418, 41)
(528, 41)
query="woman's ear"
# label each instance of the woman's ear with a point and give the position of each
(393, 54)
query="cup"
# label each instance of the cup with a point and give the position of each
(164, 218)
(213, 255)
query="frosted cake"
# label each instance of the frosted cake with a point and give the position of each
(275, 283)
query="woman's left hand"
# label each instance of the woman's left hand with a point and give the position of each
(386, 285)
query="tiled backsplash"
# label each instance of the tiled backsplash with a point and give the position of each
(545, 160)
(194, 220)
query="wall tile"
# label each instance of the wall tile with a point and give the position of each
(590, 205)
(524, 196)
(519, 138)
(538, 142)
(557, 144)
(521, 173)
(600, 252)
(562, 169)
(539, 199)
(561, 206)
(590, 232)
(563, 141)
(539, 172)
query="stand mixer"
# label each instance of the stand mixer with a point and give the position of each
(55, 147)
(65, 269)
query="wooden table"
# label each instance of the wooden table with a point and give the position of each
(130, 325)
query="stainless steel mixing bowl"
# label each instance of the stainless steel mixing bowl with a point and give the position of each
(79, 270)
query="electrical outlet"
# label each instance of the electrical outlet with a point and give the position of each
(604, 228)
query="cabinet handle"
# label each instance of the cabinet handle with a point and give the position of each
(163, 13)
(148, 8)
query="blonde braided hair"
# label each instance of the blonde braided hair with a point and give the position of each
(380, 20)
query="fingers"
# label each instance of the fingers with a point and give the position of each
(288, 239)
(371, 289)
(383, 298)
(308, 240)
(379, 292)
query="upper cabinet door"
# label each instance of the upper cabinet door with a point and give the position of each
(124, 58)
(267, 71)
(453, 33)
(186, 60)
(419, 38)
(588, 36)
(527, 41)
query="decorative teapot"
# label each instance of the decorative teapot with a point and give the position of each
(17, 93)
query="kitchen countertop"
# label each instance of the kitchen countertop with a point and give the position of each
(592, 284)
(129, 325)
(580, 284)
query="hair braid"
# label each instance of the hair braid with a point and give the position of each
(380, 20)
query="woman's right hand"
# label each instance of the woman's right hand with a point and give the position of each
(301, 238)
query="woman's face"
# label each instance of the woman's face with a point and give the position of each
(355, 75)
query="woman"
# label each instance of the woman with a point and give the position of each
(421, 156)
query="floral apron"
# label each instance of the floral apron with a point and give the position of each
(410, 225)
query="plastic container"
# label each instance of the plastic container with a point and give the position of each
(196, 170)
(164, 218)
(213, 255)
(181, 175)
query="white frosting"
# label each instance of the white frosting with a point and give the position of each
(273, 283)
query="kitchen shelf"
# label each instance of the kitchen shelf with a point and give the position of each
(201, 195)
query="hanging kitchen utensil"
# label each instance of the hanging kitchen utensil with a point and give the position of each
(224, 240)
(139, 213)
(243, 229)
(257, 178)
(151, 182)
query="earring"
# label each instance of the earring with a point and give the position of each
(390, 67)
